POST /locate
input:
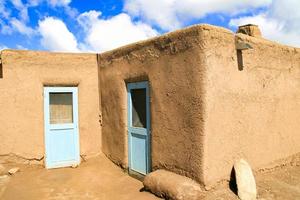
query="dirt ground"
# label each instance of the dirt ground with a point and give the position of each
(282, 183)
(98, 178)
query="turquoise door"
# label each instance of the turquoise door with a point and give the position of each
(138, 127)
(61, 126)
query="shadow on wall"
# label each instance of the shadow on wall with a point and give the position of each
(240, 60)
(1, 70)
(1, 67)
(232, 182)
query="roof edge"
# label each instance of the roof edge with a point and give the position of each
(45, 52)
(140, 44)
(264, 41)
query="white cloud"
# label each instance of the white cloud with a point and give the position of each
(21, 47)
(23, 9)
(17, 3)
(106, 34)
(21, 27)
(4, 28)
(281, 22)
(56, 36)
(55, 3)
(65, 4)
(5, 13)
(2, 47)
(171, 14)
(287, 13)
(18, 23)
(33, 3)
(87, 19)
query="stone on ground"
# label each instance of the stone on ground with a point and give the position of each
(172, 186)
(74, 166)
(14, 170)
(245, 180)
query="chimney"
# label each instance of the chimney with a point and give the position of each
(250, 29)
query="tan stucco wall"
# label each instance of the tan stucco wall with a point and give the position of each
(21, 101)
(253, 113)
(171, 64)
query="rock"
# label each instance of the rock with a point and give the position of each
(2, 170)
(245, 180)
(14, 170)
(172, 186)
(207, 187)
(74, 166)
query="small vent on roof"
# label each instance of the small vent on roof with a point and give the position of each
(250, 29)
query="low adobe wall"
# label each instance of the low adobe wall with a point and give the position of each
(252, 112)
(172, 65)
(22, 104)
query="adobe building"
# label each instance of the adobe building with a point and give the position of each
(192, 101)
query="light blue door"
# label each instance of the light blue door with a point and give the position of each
(61, 126)
(139, 127)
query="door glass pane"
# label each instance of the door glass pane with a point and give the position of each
(138, 97)
(61, 108)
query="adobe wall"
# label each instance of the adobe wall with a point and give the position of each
(206, 112)
(254, 112)
(22, 104)
(172, 65)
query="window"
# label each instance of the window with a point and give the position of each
(138, 98)
(61, 108)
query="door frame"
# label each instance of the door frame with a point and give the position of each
(74, 125)
(139, 85)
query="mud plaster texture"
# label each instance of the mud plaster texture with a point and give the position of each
(25, 73)
(172, 65)
(251, 112)
(175, 100)
(206, 111)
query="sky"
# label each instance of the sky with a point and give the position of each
(101, 25)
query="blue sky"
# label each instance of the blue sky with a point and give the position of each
(101, 25)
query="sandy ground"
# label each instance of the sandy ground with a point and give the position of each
(98, 178)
